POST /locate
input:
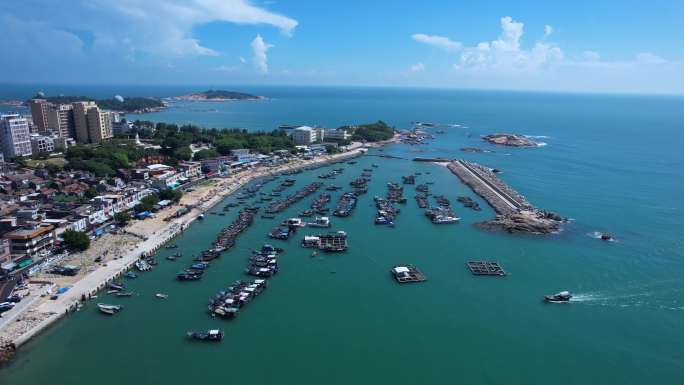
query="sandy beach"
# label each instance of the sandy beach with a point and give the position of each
(119, 251)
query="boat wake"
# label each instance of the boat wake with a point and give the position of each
(660, 296)
(537, 137)
(542, 144)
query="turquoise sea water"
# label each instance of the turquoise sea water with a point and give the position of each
(612, 163)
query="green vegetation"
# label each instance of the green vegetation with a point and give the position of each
(76, 240)
(128, 104)
(103, 160)
(147, 203)
(373, 132)
(221, 94)
(122, 218)
(205, 154)
(172, 195)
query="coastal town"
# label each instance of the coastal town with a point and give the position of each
(83, 196)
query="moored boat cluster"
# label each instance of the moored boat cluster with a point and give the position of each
(229, 301)
(282, 204)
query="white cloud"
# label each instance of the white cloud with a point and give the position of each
(418, 67)
(506, 54)
(157, 27)
(242, 60)
(259, 48)
(438, 41)
(649, 58)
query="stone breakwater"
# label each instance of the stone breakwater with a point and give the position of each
(514, 213)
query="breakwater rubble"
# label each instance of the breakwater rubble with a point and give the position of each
(514, 213)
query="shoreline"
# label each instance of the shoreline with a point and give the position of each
(50, 311)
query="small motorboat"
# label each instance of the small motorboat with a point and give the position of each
(562, 297)
(124, 294)
(213, 335)
(171, 246)
(116, 286)
(606, 237)
(131, 275)
(109, 309)
(200, 217)
(161, 296)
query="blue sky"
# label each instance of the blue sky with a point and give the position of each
(597, 46)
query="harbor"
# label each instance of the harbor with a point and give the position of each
(354, 292)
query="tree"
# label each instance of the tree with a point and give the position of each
(76, 240)
(90, 193)
(330, 149)
(122, 218)
(205, 154)
(169, 194)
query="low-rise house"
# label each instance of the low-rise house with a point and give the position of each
(31, 241)
(219, 165)
(190, 170)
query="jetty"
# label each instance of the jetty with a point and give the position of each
(515, 213)
(486, 268)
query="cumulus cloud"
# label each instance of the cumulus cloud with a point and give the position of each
(159, 27)
(438, 41)
(259, 48)
(506, 54)
(418, 67)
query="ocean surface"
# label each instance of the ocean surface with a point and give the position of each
(611, 163)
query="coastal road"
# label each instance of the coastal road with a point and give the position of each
(510, 202)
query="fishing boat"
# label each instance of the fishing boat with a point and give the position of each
(109, 309)
(562, 297)
(189, 275)
(294, 222)
(142, 265)
(131, 275)
(116, 286)
(199, 266)
(172, 247)
(124, 294)
(200, 217)
(306, 213)
(161, 296)
(319, 222)
(213, 335)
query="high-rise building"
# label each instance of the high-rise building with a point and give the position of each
(99, 125)
(39, 113)
(14, 135)
(81, 121)
(61, 119)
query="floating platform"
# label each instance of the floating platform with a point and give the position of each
(407, 274)
(486, 268)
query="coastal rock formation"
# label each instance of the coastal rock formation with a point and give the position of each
(531, 222)
(515, 213)
(510, 140)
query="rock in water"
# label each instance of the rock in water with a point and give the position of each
(510, 140)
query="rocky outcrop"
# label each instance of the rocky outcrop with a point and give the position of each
(510, 140)
(531, 222)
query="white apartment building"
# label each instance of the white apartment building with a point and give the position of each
(14, 135)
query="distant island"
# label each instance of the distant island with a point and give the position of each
(510, 140)
(131, 105)
(217, 96)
